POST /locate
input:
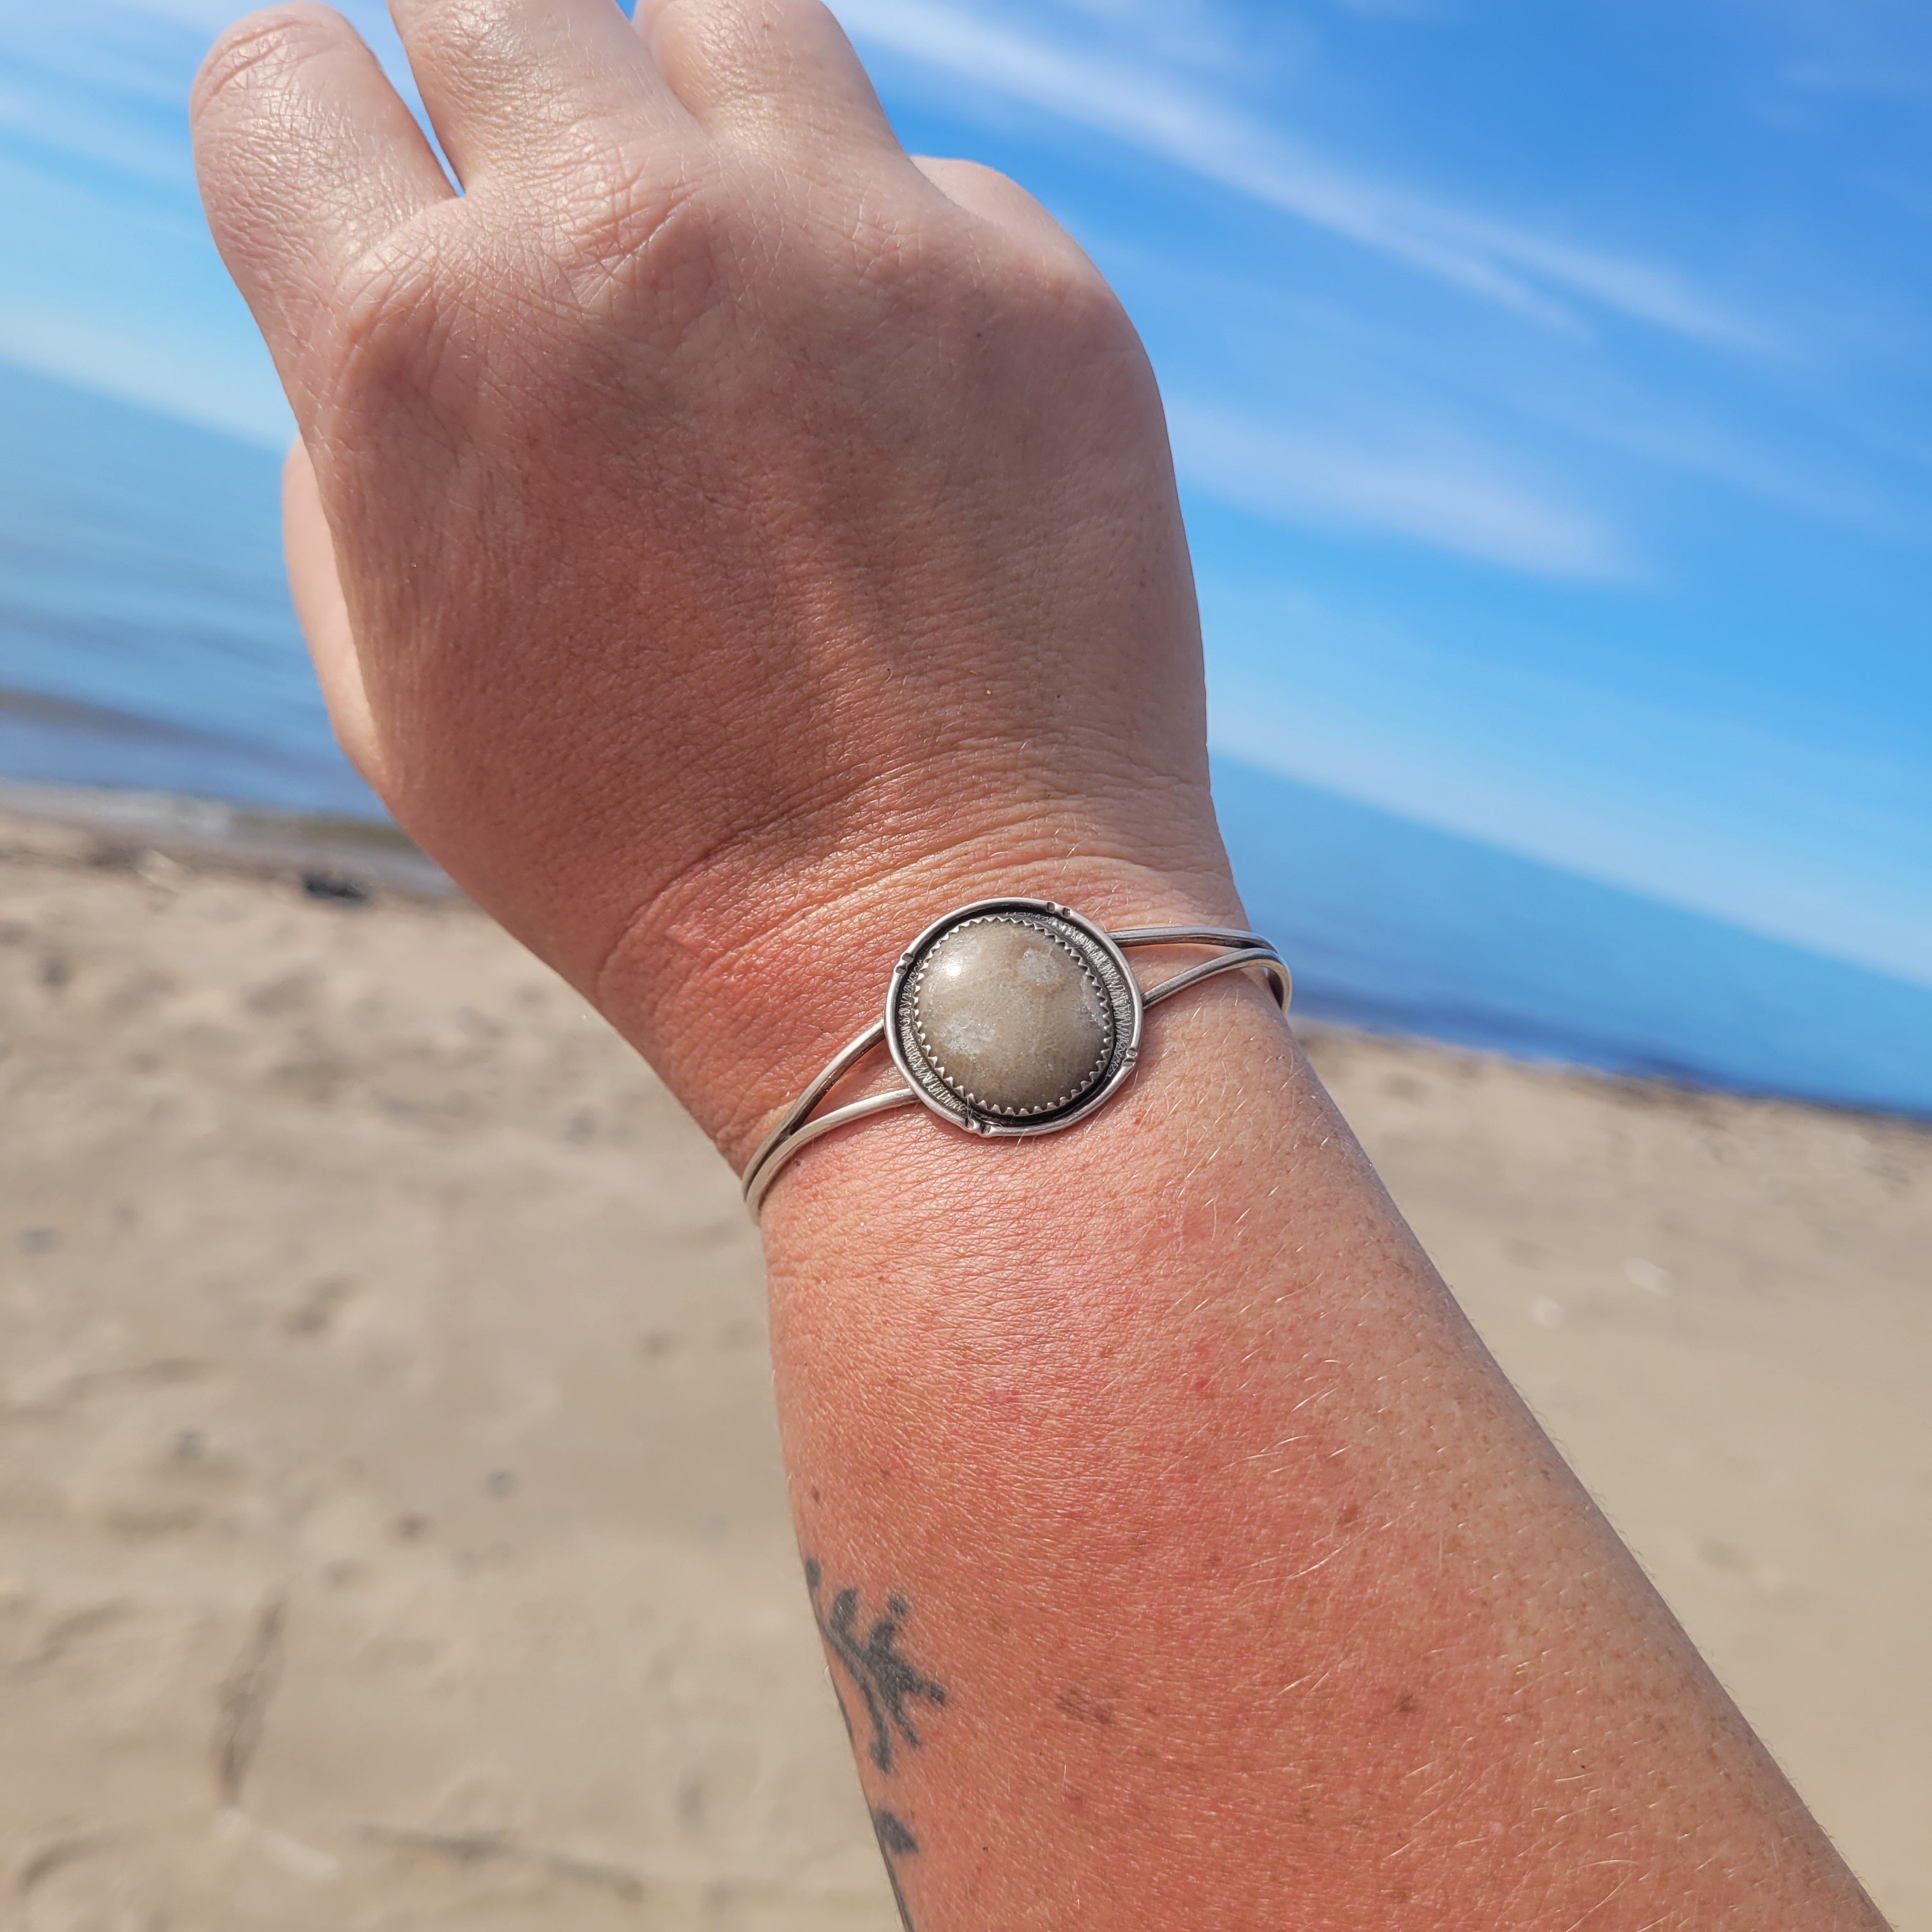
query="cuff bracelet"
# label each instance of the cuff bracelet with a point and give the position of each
(1009, 1018)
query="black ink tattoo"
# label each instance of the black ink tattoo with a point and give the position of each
(888, 1684)
(895, 1841)
(882, 1675)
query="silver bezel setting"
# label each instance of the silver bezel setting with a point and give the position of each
(1103, 955)
(1095, 950)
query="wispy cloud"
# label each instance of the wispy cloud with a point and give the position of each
(1542, 277)
(1455, 502)
(91, 128)
(1376, 374)
(1538, 276)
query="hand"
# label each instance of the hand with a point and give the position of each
(724, 542)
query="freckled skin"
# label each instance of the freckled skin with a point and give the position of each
(727, 544)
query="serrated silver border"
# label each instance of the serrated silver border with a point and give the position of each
(1097, 952)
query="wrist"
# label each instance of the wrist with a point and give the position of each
(739, 981)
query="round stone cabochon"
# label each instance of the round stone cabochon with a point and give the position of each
(1009, 1017)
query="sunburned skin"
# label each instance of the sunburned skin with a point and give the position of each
(728, 544)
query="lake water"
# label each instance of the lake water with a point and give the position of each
(146, 641)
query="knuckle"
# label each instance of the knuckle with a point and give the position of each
(983, 176)
(625, 225)
(388, 331)
(1065, 289)
(1082, 295)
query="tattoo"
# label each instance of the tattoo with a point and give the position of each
(888, 1684)
(883, 1678)
(895, 1841)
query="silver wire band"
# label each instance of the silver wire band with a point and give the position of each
(796, 1130)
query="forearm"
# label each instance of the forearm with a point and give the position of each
(1256, 1595)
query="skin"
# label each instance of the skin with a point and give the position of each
(727, 543)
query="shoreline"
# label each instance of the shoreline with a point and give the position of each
(115, 829)
(333, 856)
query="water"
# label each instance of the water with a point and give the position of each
(145, 634)
(1398, 927)
(146, 641)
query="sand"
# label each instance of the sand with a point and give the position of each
(391, 1527)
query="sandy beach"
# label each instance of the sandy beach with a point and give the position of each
(391, 1534)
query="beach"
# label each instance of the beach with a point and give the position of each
(391, 1531)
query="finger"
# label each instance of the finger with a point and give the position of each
(996, 198)
(780, 71)
(308, 159)
(510, 83)
(315, 583)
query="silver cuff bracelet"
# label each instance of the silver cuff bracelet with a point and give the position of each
(1009, 1017)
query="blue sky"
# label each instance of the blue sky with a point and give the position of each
(1551, 385)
